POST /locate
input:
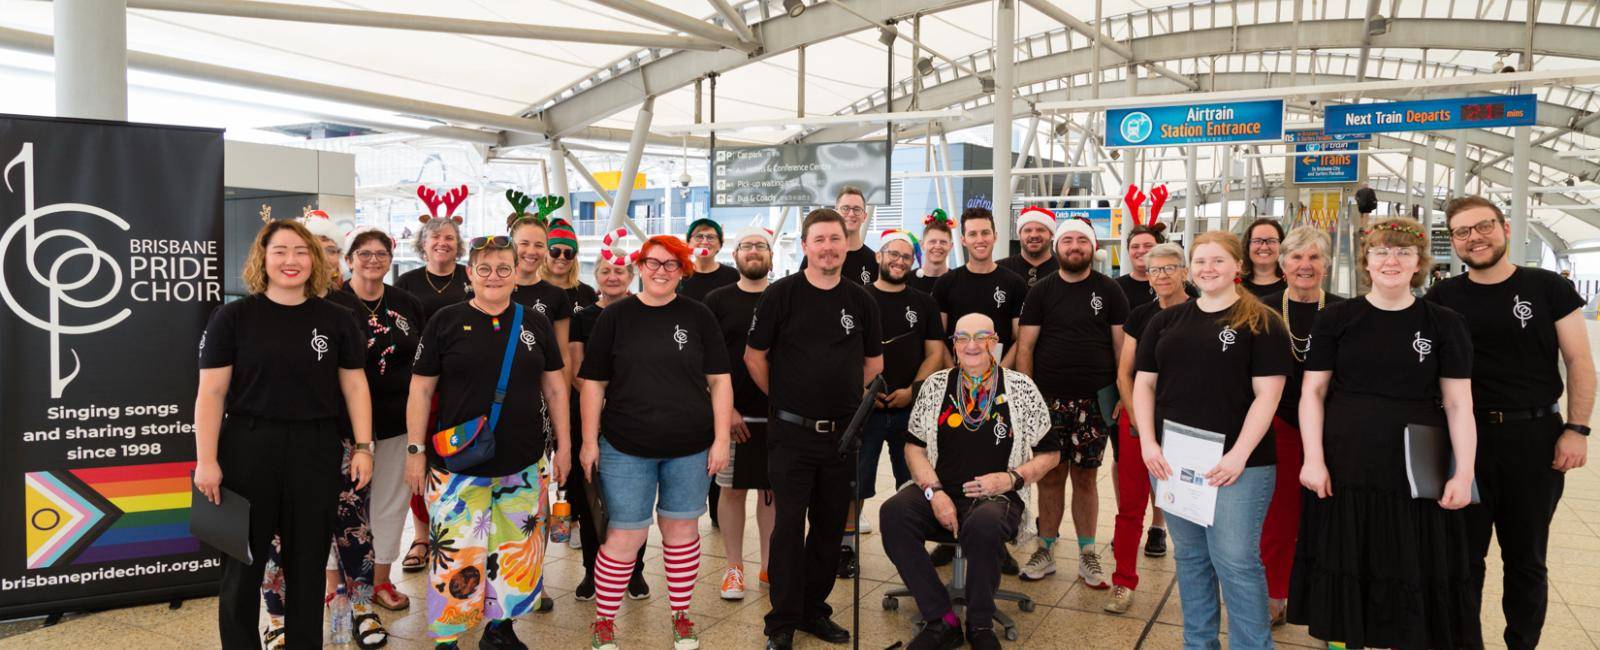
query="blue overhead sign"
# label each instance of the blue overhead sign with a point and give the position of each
(1318, 135)
(1433, 114)
(1100, 218)
(1325, 162)
(1166, 126)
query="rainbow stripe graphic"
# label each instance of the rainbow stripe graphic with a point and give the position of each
(104, 514)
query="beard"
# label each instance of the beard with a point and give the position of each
(1076, 263)
(754, 269)
(1495, 255)
(884, 274)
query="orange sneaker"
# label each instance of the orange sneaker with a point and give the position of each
(733, 583)
(764, 579)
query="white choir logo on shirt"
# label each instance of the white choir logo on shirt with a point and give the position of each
(418, 356)
(1096, 302)
(846, 321)
(202, 344)
(538, 305)
(1228, 336)
(1000, 432)
(1521, 309)
(911, 316)
(527, 338)
(999, 297)
(1421, 346)
(753, 317)
(319, 343)
(680, 336)
(866, 275)
(401, 322)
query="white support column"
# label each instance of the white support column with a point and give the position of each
(1130, 169)
(1427, 184)
(1027, 144)
(1522, 151)
(558, 174)
(1191, 198)
(1225, 220)
(1459, 181)
(1005, 36)
(630, 163)
(91, 58)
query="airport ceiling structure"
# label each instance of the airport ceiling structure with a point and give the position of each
(519, 73)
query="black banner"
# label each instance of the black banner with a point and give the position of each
(110, 262)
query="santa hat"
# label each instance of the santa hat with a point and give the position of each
(1038, 215)
(896, 234)
(321, 225)
(350, 239)
(752, 231)
(1078, 225)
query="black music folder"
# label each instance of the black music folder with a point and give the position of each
(1430, 461)
(225, 526)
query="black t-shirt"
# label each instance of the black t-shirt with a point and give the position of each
(1027, 271)
(1140, 292)
(285, 360)
(966, 454)
(1205, 369)
(582, 323)
(997, 294)
(461, 347)
(1396, 355)
(655, 361)
(1073, 357)
(910, 318)
(1266, 289)
(817, 343)
(1513, 327)
(860, 265)
(549, 300)
(923, 283)
(734, 309)
(435, 292)
(699, 285)
(1302, 315)
(582, 295)
(392, 325)
(1139, 318)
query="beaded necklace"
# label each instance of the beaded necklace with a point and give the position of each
(1300, 346)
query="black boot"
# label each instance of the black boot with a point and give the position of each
(498, 635)
(938, 635)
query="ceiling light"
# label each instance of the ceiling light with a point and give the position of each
(794, 7)
(886, 36)
(925, 66)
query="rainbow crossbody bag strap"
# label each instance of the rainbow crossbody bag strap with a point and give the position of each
(454, 440)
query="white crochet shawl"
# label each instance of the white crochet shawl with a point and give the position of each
(1030, 420)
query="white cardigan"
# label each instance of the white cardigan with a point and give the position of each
(1030, 419)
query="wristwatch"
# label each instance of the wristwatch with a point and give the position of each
(1579, 428)
(1016, 480)
(929, 491)
(413, 449)
(365, 447)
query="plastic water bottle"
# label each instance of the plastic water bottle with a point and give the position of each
(339, 617)
(561, 522)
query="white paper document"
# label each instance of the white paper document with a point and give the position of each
(1190, 452)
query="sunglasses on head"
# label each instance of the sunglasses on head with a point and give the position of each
(494, 241)
(563, 253)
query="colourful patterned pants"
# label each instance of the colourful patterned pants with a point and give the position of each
(486, 553)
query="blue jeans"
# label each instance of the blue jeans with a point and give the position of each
(1229, 552)
(630, 484)
(883, 426)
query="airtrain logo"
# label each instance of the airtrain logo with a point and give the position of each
(1136, 127)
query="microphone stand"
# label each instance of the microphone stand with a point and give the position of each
(850, 443)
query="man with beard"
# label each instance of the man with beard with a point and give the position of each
(913, 347)
(860, 265)
(735, 306)
(1034, 263)
(708, 273)
(1521, 319)
(981, 286)
(815, 342)
(1070, 336)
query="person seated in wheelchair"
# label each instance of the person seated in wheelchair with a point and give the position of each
(980, 436)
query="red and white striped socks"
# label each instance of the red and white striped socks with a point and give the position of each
(683, 569)
(610, 579)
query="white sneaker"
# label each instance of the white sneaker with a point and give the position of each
(865, 528)
(1040, 565)
(1089, 569)
(1121, 600)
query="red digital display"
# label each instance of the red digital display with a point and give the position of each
(1481, 112)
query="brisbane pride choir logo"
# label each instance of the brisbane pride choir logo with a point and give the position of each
(61, 270)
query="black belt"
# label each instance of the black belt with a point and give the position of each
(819, 426)
(1500, 417)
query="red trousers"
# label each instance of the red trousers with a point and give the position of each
(1282, 526)
(1133, 498)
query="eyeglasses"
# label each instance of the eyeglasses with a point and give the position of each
(1482, 227)
(850, 209)
(1264, 241)
(754, 246)
(653, 264)
(705, 237)
(494, 241)
(1163, 271)
(502, 271)
(563, 253)
(331, 250)
(897, 256)
(368, 256)
(1399, 253)
(980, 336)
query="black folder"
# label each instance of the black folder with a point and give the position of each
(1430, 461)
(596, 497)
(225, 526)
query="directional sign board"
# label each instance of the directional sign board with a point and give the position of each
(1167, 126)
(1433, 114)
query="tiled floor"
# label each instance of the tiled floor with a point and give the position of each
(1068, 614)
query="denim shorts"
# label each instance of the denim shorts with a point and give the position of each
(631, 484)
